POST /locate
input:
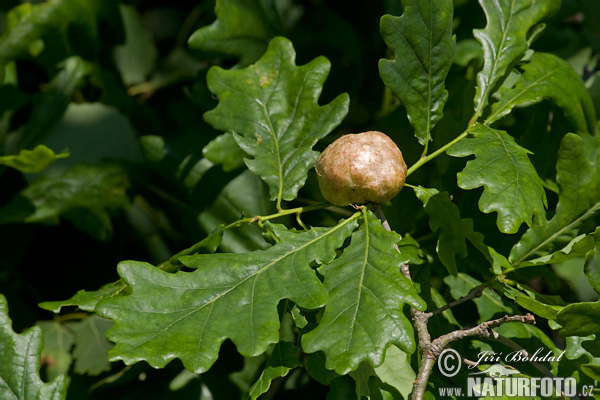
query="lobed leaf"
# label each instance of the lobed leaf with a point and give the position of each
(56, 353)
(445, 217)
(579, 319)
(422, 42)
(504, 39)
(546, 76)
(224, 150)
(367, 292)
(282, 360)
(32, 161)
(579, 199)
(20, 364)
(271, 107)
(91, 346)
(85, 300)
(579, 247)
(512, 187)
(240, 30)
(187, 315)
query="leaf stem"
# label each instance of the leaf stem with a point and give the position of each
(436, 153)
(173, 265)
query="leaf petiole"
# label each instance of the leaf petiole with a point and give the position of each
(436, 153)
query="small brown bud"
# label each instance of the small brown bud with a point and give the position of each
(361, 168)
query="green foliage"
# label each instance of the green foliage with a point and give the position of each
(32, 161)
(546, 76)
(19, 370)
(504, 40)
(282, 121)
(192, 130)
(418, 73)
(512, 187)
(367, 292)
(244, 289)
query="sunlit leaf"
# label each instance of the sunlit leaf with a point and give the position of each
(187, 315)
(579, 199)
(546, 76)
(504, 39)
(512, 187)
(32, 161)
(85, 300)
(397, 360)
(579, 247)
(579, 319)
(367, 293)
(20, 365)
(282, 360)
(422, 42)
(241, 30)
(271, 107)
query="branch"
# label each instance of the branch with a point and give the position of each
(431, 350)
(477, 291)
(483, 330)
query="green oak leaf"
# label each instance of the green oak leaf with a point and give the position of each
(58, 340)
(592, 264)
(187, 315)
(367, 293)
(546, 76)
(579, 247)
(240, 30)
(86, 300)
(136, 58)
(29, 23)
(579, 319)
(272, 109)
(32, 161)
(445, 217)
(579, 199)
(20, 364)
(504, 40)
(512, 187)
(396, 360)
(282, 360)
(537, 307)
(422, 42)
(91, 346)
(85, 195)
(224, 150)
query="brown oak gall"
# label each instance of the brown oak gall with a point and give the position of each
(361, 168)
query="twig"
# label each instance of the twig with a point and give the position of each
(483, 330)
(430, 350)
(477, 291)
